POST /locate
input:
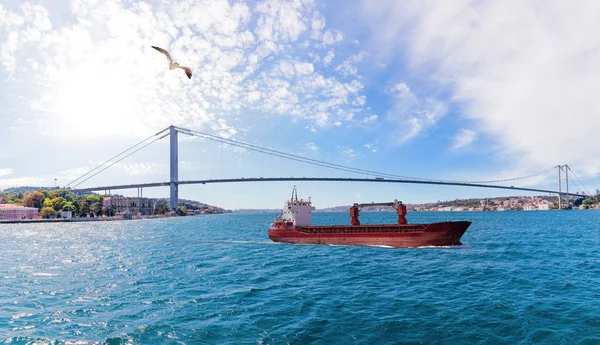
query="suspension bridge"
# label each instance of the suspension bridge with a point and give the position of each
(379, 177)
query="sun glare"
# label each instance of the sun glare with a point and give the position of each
(93, 101)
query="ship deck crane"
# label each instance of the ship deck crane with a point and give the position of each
(392, 204)
(398, 206)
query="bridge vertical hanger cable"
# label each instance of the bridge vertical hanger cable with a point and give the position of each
(333, 165)
(288, 155)
(221, 160)
(109, 160)
(299, 159)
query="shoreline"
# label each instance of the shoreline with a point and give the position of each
(77, 220)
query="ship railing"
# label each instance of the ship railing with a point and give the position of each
(392, 228)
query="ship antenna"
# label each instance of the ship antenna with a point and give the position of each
(294, 191)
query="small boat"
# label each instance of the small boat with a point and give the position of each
(293, 225)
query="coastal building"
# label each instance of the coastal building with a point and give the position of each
(65, 214)
(545, 206)
(137, 206)
(15, 212)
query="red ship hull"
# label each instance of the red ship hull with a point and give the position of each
(392, 235)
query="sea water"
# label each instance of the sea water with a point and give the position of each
(520, 278)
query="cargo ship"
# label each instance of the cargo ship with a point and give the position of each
(293, 225)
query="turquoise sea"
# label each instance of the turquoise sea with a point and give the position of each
(520, 278)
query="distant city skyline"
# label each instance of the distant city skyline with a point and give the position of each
(455, 91)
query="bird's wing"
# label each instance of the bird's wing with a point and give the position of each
(164, 52)
(187, 70)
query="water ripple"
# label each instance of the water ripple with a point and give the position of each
(520, 278)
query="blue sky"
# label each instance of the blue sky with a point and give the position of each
(472, 90)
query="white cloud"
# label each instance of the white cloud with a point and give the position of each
(312, 129)
(332, 37)
(311, 146)
(463, 138)
(132, 168)
(525, 71)
(402, 90)
(347, 152)
(370, 118)
(24, 181)
(71, 174)
(321, 119)
(254, 96)
(312, 97)
(350, 66)
(327, 59)
(5, 172)
(286, 69)
(371, 148)
(280, 20)
(317, 24)
(238, 55)
(413, 114)
(224, 130)
(190, 165)
(138, 168)
(359, 101)
(304, 68)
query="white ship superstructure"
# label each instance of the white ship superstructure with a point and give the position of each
(298, 212)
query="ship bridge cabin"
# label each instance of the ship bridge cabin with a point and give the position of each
(299, 212)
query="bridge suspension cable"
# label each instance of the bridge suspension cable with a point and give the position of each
(579, 181)
(290, 156)
(514, 178)
(72, 184)
(333, 165)
(151, 139)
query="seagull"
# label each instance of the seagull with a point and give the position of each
(172, 64)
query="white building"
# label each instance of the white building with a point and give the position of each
(66, 214)
(545, 207)
(137, 206)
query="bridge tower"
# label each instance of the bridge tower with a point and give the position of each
(560, 167)
(174, 167)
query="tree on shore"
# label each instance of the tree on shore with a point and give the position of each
(35, 199)
(58, 203)
(162, 207)
(181, 211)
(98, 207)
(69, 206)
(87, 205)
(85, 208)
(48, 212)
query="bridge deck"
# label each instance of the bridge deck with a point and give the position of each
(318, 179)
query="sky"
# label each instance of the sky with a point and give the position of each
(461, 91)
